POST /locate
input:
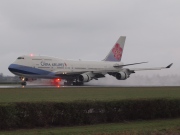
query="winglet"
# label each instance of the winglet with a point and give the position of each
(169, 65)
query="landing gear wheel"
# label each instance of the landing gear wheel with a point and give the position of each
(23, 83)
(74, 83)
(78, 83)
(67, 83)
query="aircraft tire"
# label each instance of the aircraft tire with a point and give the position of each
(23, 83)
(74, 83)
(81, 83)
(77, 83)
(65, 83)
(69, 83)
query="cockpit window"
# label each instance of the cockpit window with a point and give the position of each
(20, 58)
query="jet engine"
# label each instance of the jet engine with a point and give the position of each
(122, 76)
(84, 78)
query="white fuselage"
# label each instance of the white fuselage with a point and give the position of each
(48, 67)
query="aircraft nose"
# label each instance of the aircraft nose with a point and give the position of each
(10, 67)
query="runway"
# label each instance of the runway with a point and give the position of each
(35, 86)
(62, 86)
(28, 86)
(59, 86)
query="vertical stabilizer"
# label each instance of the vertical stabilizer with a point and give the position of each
(115, 54)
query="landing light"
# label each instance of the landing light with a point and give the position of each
(31, 55)
(57, 80)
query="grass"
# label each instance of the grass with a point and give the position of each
(9, 95)
(127, 128)
(62, 94)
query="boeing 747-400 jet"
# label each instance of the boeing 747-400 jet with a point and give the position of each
(75, 72)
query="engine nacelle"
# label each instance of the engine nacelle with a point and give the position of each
(84, 78)
(122, 76)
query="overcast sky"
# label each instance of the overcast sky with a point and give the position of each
(87, 30)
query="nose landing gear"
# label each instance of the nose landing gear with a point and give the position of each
(23, 83)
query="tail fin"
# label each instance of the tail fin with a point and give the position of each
(116, 52)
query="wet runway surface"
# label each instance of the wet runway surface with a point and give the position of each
(61, 86)
(50, 86)
(28, 86)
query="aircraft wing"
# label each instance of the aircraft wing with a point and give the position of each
(68, 73)
(119, 66)
(97, 74)
(131, 70)
(100, 74)
(155, 68)
(124, 73)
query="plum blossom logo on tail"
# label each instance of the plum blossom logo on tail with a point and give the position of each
(117, 51)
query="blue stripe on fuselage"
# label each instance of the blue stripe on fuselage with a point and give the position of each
(27, 70)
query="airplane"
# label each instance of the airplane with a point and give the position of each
(75, 72)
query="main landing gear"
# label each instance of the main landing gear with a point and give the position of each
(71, 83)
